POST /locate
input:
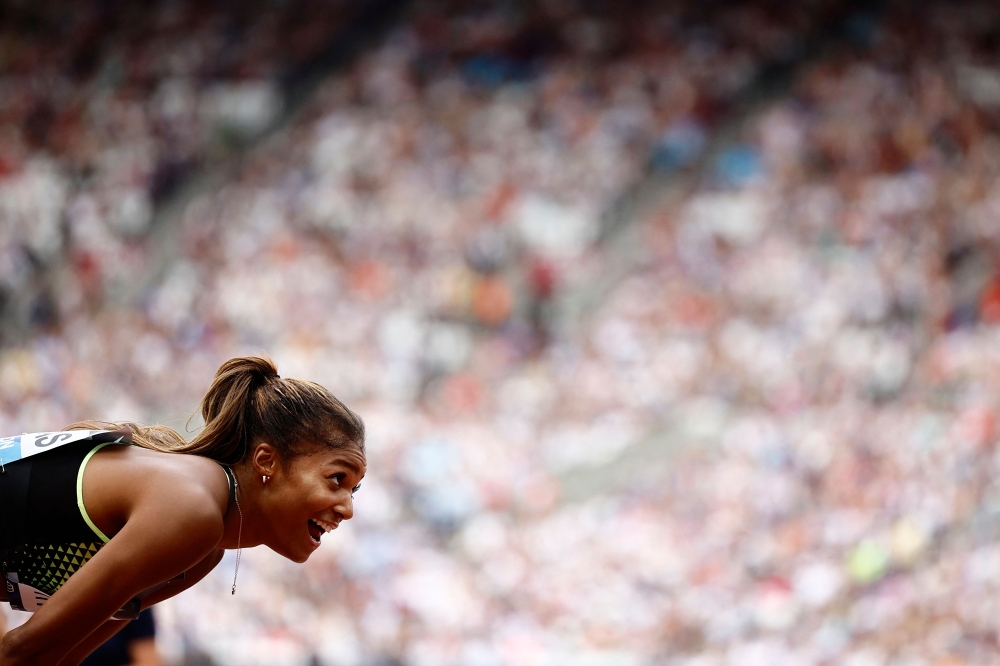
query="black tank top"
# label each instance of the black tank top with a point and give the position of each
(46, 534)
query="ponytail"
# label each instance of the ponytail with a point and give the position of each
(248, 402)
(229, 409)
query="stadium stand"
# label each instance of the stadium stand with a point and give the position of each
(770, 441)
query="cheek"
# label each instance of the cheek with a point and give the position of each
(302, 498)
(287, 505)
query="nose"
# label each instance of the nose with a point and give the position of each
(345, 506)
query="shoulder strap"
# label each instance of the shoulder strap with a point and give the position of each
(231, 478)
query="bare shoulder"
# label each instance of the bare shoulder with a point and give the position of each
(119, 479)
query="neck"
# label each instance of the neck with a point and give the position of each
(247, 502)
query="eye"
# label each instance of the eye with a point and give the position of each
(338, 478)
(355, 489)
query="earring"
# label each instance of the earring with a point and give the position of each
(265, 478)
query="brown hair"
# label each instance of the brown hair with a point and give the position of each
(248, 403)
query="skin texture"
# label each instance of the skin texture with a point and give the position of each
(176, 519)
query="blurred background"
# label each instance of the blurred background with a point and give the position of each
(675, 324)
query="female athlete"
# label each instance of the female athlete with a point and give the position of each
(94, 529)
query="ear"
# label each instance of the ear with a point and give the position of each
(264, 459)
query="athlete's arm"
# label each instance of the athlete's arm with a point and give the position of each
(170, 530)
(109, 628)
(93, 641)
(191, 576)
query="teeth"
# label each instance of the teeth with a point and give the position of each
(323, 525)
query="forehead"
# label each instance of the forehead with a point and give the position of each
(350, 457)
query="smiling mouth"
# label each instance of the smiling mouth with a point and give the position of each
(317, 528)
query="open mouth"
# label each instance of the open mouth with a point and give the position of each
(317, 528)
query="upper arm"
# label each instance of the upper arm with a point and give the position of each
(143, 649)
(160, 540)
(191, 576)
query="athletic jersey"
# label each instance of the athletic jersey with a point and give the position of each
(46, 534)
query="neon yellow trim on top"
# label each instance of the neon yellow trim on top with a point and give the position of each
(79, 491)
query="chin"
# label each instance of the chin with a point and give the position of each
(298, 558)
(297, 555)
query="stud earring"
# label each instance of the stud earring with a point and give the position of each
(265, 478)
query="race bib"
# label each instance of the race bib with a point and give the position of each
(23, 446)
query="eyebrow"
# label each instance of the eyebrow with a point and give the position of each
(348, 464)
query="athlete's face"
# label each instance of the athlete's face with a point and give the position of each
(309, 496)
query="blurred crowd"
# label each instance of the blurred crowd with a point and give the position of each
(797, 364)
(106, 107)
(831, 285)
